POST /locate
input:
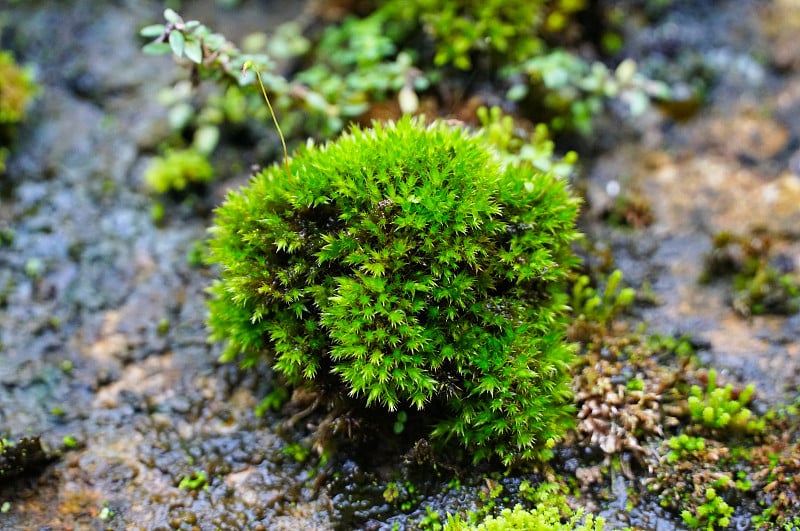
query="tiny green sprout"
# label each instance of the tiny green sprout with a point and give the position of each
(392, 492)
(157, 212)
(5, 508)
(163, 326)
(273, 401)
(400, 423)
(601, 308)
(431, 520)
(195, 481)
(34, 268)
(6, 236)
(195, 255)
(106, 513)
(69, 441)
(297, 451)
(635, 384)
(67, 366)
(716, 408)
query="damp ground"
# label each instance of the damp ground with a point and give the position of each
(103, 349)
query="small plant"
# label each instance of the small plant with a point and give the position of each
(717, 408)
(601, 308)
(712, 514)
(17, 90)
(518, 146)
(402, 495)
(354, 65)
(403, 268)
(431, 520)
(568, 92)
(177, 170)
(683, 445)
(297, 451)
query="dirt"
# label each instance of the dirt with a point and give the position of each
(102, 335)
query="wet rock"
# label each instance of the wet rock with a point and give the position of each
(781, 20)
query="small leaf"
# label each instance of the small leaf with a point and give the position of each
(215, 41)
(171, 16)
(316, 101)
(194, 51)
(156, 48)
(153, 30)
(177, 42)
(206, 139)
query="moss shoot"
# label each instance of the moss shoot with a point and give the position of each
(405, 267)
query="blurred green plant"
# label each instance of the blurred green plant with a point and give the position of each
(515, 145)
(760, 285)
(384, 55)
(510, 31)
(17, 90)
(177, 170)
(568, 92)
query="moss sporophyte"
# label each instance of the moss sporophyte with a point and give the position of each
(404, 267)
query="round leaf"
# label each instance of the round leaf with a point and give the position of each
(177, 42)
(194, 51)
(153, 30)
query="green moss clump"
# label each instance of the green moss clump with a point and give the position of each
(405, 267)
(176, 170)
(17, 89)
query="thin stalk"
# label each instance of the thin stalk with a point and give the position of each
(247, 65)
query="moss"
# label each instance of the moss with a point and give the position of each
(718, 408)
(550, 512)
(544, 518)
(405, 268)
